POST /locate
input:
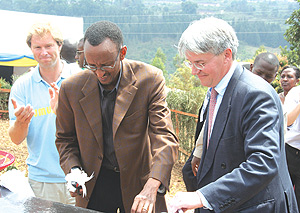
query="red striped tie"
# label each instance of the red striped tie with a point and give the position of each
(212, 104)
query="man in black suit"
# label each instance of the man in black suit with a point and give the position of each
(243, 166)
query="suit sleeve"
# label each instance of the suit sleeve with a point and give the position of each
(66, 140)
(164, 143)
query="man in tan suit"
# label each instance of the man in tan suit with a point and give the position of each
(113, 120)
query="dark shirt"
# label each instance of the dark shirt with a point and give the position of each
(108, 99)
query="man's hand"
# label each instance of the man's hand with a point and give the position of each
(23, 113)
(145, 200)
(54, 91)
(76, 180)
(195, 164)
(19, 129)
(78, 190)
(184, 201)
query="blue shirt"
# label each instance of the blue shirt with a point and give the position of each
(43, 159)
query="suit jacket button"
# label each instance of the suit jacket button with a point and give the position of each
(223, 165)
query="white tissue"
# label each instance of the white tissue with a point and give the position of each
(78, 176)
(16, 182)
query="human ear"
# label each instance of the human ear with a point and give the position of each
(123, 52)
(228, 55)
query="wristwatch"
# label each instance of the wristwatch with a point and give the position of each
(161, 190)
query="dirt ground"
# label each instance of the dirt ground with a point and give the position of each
(20, 153)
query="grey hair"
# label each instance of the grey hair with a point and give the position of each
(208, 35)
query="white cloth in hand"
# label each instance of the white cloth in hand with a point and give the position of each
(78, 176)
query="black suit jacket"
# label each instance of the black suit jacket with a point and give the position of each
(189, 179)
(244, 168)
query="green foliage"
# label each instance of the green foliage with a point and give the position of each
(141, 21)
(189, 7)
(144, 51)
(183, 79)
(177, 61)
(149, 25)
(256, 32)
(291, 55)
(276, 84)
(186, 101)
(4, 84)
(11, 167)
(4, 98)
(261, 49)
(292, 35)
(240, 6)
(186, 95)
(159, 61)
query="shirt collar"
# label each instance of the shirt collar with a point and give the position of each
(37, 75)
(222, 85)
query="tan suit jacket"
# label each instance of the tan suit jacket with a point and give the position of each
(144, 139)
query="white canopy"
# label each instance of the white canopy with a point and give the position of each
(15, 26)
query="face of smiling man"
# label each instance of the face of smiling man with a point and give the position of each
(45, 50)
(103, 55)
(214, 67)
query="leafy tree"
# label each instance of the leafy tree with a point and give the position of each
(292, 35)
(161, 54)
(183, 79)
(261, 49)
(186, 95)
(189, 7)
(159, 61)
(291, 55)
(177, 61)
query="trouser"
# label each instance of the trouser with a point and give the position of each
(107, 195)
(189, 179)
(56, 192)
(293, 161)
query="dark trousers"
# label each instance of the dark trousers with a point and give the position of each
(293, 161)
(189, 179)
(107, 196)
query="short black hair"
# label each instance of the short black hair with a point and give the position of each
(268, 57)
(68, 51)
(99, 31)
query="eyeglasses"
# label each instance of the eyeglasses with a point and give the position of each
(197, 65)
(78, 52)
(103, 68)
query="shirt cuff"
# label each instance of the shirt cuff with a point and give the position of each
(205, 203)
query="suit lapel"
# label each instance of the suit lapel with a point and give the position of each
(126, 93)
(219, 126)
(88, 103)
